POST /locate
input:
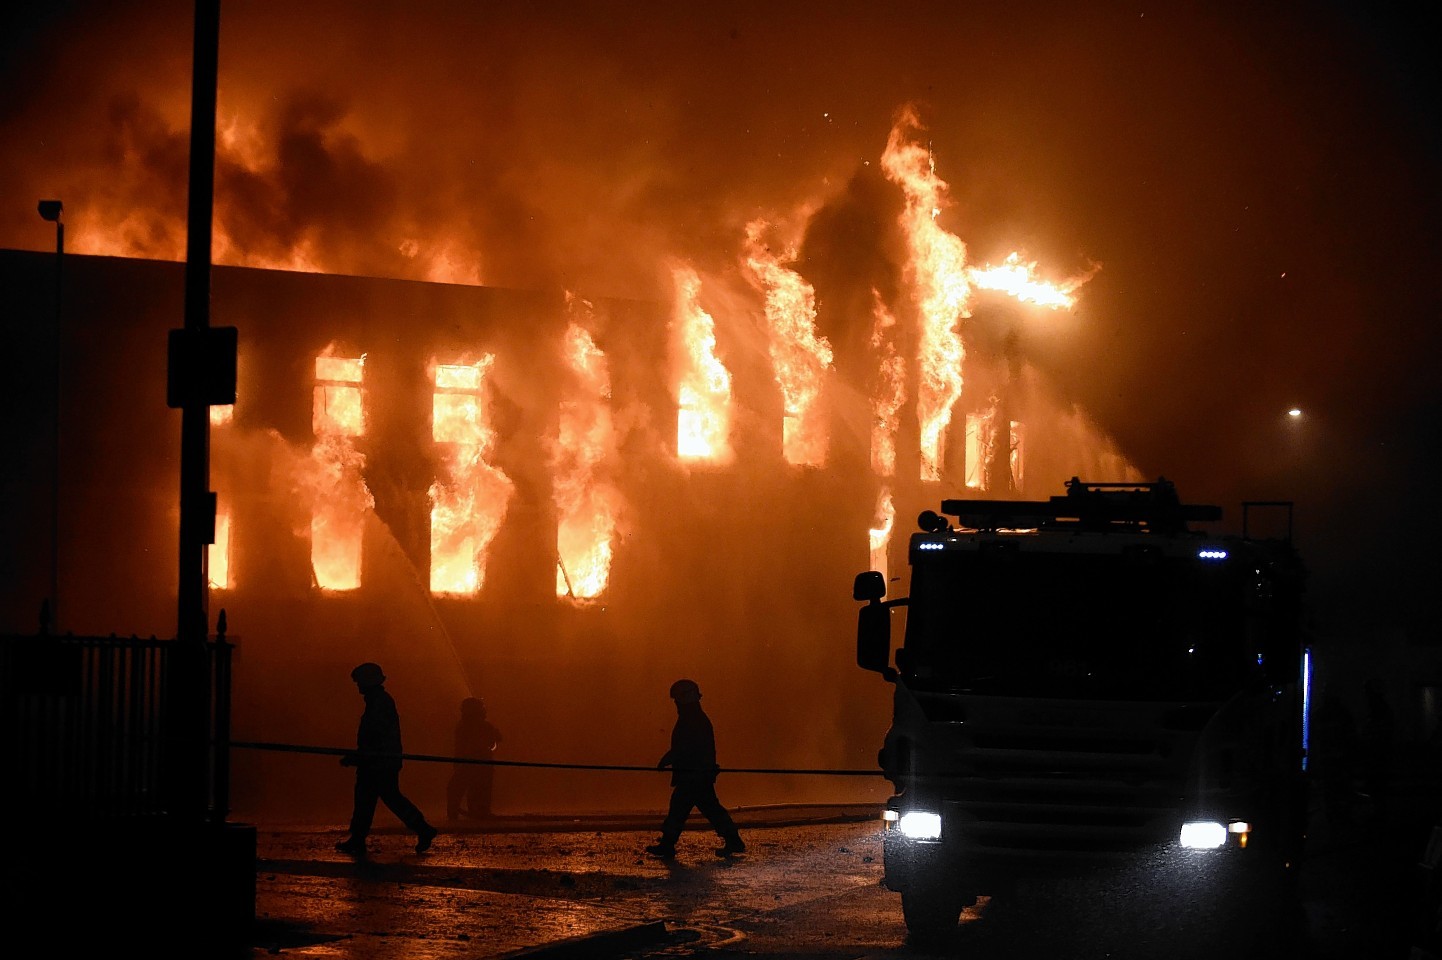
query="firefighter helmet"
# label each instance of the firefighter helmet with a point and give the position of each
(685, 691)
(368, 675)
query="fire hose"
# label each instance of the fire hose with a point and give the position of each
(538, 764)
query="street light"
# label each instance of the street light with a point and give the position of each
(50, 211)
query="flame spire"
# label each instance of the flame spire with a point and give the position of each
(937, 270)
(799, 358)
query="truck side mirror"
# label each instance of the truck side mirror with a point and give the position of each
(873, 637)
(870, 585)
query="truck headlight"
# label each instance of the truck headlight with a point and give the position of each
(920, 825)
(1203, 835)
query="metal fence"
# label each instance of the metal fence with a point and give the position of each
(88, 725)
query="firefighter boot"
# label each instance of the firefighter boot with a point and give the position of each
(732, 845)
(662, 849)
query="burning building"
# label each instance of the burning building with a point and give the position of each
(556, 502)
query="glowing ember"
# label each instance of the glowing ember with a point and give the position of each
(586, 502)
(470, 499)
(880, 533)
(340, 497)
(889, 390)
(937, 269)
(703, 384)
(799, 358)
(1019, 280)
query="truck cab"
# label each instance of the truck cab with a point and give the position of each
(1084, 680)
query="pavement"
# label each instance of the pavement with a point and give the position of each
(529, 886)
(561, 886)
(552, 886)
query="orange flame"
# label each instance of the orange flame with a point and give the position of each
(470, 500)
(218, 553)
(983, 433)
(889, 391)
(978, 448)
(937, 268)
(1019, 280)
(217, 562)
(337, 410)
(799, 358)
(880, 532)
(703, 388)
(586, 504)
(340, 498)
(1016, 457)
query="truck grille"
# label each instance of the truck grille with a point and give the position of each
(1107, 784)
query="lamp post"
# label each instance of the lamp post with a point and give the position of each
(50, 210)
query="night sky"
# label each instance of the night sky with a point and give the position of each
(1255, 187)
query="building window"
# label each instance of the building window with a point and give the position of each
(340, 497)
(470, 497)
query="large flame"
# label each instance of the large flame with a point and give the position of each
(1019, 280)
(799, 358)
(703, 384)
(470, 499)
(340, 497)
(586, 502)
(937, 269)
(888, 390)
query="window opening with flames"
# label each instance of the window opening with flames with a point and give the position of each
(341, 499)
(470, 497)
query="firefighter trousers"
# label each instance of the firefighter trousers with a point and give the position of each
(686, 797)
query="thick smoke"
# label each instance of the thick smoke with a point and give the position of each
(1258, 184)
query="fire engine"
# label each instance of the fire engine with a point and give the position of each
(1084, 680)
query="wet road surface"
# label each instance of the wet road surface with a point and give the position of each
(810, 890)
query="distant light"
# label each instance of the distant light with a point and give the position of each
(920, 825)
(1239, 826)
(931, 546)
(1211, 553)
(1306, 704)
(1203, 835)
(1294, 412)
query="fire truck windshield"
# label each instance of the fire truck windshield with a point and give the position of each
(1077, 625)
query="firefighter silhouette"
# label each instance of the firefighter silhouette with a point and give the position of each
(692, 759)
(377, 762)
(469, 792)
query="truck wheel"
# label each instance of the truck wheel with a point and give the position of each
(931, 912)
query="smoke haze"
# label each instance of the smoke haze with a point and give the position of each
(1257, 187)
